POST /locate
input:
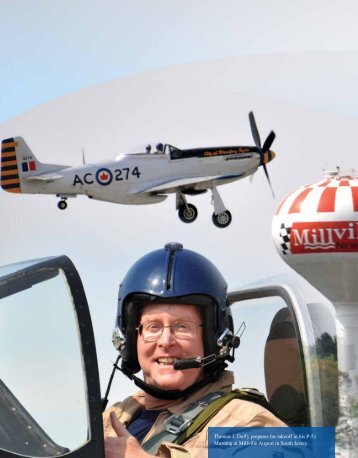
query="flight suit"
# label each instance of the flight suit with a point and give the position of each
(237, 413)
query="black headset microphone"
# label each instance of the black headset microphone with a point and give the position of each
(227, 341)
(191, 363)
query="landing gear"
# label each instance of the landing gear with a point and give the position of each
(221, 216)
(187, 213)
(62, 204)
(223, 219)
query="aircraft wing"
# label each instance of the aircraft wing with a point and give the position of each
(44, 177)
(181, 183)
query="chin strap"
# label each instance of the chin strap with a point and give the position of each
(167, 394)
(152, 390)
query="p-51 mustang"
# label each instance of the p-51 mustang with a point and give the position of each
(141, 178)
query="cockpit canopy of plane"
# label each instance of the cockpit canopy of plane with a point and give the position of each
(155, 147)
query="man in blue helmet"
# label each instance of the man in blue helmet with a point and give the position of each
(174, 324)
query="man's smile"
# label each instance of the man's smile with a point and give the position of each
(166, 361)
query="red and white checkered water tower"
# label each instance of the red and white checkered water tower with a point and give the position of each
(315, 230)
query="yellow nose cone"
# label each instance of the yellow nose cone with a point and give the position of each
(269, 156)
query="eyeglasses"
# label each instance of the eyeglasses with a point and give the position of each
(152, 331)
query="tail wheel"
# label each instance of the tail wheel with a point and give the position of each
(222, 219)
(62, 204)
(188, 213)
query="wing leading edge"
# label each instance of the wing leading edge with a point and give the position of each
(192, 182)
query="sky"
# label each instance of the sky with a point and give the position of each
(111, 75)
(54, 48)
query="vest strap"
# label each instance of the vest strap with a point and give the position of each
(175, 425)
(179, 428)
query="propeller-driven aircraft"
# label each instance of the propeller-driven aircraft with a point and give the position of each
(141, 178)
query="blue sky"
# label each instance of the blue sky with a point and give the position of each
(52, 48)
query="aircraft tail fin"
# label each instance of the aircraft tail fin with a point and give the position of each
(10, 180)
(19, 162)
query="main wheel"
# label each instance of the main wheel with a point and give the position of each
(62, 205)
(223, 219)
(188, 213)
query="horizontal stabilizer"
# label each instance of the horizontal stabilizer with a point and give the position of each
(44, 177)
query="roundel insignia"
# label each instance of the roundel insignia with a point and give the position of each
(104, 176)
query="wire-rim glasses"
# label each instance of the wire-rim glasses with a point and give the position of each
(151, 331)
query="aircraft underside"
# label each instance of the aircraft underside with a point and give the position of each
(187, 212)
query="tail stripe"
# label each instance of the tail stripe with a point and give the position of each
(8, 158)
(9, 172)
(11, 187)
(9, 154)
(9, 161)
(12, 181)
(8, 150)
(9, 167)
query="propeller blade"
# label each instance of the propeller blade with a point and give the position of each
(268, 179)
(267, 145)
(255, 132)
(269, 140)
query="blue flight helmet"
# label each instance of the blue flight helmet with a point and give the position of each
(160, 146)
(173, 275)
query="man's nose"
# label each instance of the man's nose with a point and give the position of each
(167, 336)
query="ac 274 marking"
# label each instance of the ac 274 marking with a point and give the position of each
(104, 176)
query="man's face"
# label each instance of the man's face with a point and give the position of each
(156, 358)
